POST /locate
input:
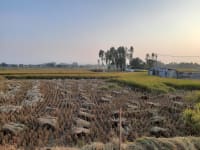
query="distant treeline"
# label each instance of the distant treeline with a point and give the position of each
(49, 65)
(140, 64)
(45, 65)
(113, 59)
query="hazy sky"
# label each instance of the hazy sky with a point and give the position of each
(37, 31)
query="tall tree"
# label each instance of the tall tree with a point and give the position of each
(130, 53)
(108, 59)
(102, 56)
(116, 58)
(121, 61)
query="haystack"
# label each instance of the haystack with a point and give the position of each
(104, 100)
(158, 131)
(10, 108)
(86, 115)
(82, 123)
(79, 131)
(13, 128)
(49, 122)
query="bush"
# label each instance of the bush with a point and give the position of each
(192, 117)
(193, 96)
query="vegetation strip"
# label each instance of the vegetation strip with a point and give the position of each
(134, 79)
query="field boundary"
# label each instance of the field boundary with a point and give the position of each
(137, 80)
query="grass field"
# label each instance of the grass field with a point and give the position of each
(53, 74)
(135, 79)
(154, 83)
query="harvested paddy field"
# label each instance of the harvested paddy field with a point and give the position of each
(68, 112)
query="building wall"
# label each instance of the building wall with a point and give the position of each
(190, 75)
(196, 76)
(172, 73)
(163, 72)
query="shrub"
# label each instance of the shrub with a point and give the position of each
(192, 117)
(193, 96)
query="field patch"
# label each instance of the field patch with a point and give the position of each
(156, 84)
(73, 112)
(139, 80)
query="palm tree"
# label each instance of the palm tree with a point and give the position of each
(152, 56)
(147, 60)
(147, 57)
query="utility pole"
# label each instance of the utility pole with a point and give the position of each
(120, 125)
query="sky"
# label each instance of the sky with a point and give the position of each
(39, 31)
